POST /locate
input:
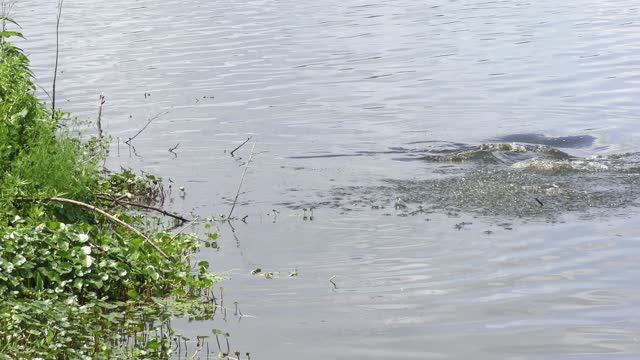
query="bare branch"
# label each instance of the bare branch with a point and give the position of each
(161, 211)
(184, 228)
(118, 201)
(241, 145)
(99, 118)
(173, 150)
(114, 219)
(55, 69)
(128, 142)
(235, 201)
(45, 92)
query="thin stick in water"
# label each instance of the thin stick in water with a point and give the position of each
(235, 200)
(128, 142)
(173, 149)
(335, 286)
(99, 118)
(55, 68)
(241, 145)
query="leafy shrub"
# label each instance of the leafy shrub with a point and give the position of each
(73, 282)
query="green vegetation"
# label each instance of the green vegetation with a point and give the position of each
(78, 278)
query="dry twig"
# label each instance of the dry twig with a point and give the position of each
(99, 118)
(128, 142)
(161, 211)
(241, 145)
(173, 149)
(177, 233)
(335, 286)
(55, 68)
(235, 200)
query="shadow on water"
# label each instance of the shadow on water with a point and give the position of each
(530, 178)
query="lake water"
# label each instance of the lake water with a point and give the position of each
(405, 126)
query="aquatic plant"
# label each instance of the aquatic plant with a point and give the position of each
(83, 273)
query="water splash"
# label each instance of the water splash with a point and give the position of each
(505, 180)
(575, 141)
(494, 153)
(560, 165)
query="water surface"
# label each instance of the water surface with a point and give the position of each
(472, 164)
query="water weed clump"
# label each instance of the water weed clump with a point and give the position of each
(82, 274)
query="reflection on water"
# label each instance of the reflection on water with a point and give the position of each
(522, 248)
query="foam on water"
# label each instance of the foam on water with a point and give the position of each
(560, 165)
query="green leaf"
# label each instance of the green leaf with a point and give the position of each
(152, 272)
(220, 332)
(87, 261)
(203, 266)
(133, 294)
(9, 20)
(154, 344)
(39, 282)
(8, 34)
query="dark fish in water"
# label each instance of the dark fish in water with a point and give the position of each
(576, 141)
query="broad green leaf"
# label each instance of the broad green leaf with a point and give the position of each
(7, 34)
